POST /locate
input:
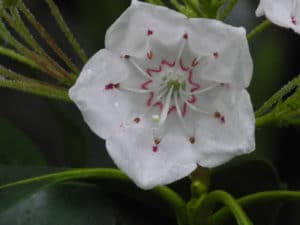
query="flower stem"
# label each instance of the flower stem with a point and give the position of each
(278, 96)
(265, 120)
(165, 194)
(223, 197)
(66, 30)
(37, 89)
(261, 197)
(228, 9)
(47, 37)
(13, 55)
(258, 29)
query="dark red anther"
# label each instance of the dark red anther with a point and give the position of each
(149, 32)
(137, 120)
(216, 55)
(192, 140)
(185, 36)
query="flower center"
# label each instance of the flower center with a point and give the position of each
(171, 88)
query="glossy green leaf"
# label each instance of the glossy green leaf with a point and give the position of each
(80, 204)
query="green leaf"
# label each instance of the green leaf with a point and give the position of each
(16, 148)
(162, 198)
(81, 204)
(242, 177)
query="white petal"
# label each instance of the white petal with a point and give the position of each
(285, 13)
(129, 34)
(229, 58)
(219, 142)
(103, 110)
(132, 151)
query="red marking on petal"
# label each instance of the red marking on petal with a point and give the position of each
(216, 55)
(182, 66)
(184, 110)
(185, 36)
(155, 148)
(166, 62)
(111, 86)
(195, 62)
(149, 101)
(294, 21)
(171, 109)
(222, 119)
(159, 104)
(150, 71)
(149, 32)
(144, 86)
(193, 99)
(150, 55)
(195, 85)
(192, 140)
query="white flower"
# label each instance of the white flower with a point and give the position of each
(168, 93)
(285, 13)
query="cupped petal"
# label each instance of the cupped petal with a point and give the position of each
(226, 47)
(222, 140)
(104, 108)
(134, 152)
(139, 23)
(285, 13)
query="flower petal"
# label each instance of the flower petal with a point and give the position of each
(134, 152)
(285, 13)
(103, 110)
(229, 59)
(221, 141)
(141, 21)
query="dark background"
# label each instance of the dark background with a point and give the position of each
(60, 135)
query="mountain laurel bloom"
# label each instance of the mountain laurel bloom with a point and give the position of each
(285, 13)
(168, 94)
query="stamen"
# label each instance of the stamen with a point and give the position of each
(142, 72)
(181, 48)
(142, 91)
(202, 90)
(166, 107)
(180, 115)
(191, 106)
